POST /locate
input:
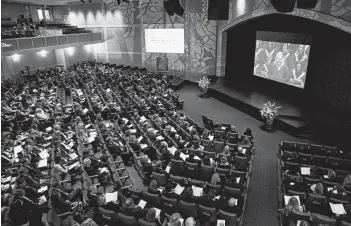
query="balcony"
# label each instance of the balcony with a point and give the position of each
(52, 39)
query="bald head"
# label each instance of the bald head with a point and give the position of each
(190, 221)
(231, 202)
(128, 202)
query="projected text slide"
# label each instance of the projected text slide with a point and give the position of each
(164, 40)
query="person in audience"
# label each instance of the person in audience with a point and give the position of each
(216, 179)
(190, 221)
(168, 192)
(174, 220)
(317, 189)
(208, 199)
(153, 188)
(246, 141)
(248, 133)
(229, 205)
(151, 217)
(146, 164)
(331, 177)
(347, 180)
(232, 129)
(304, 223)
(293, 205)
(205, 135)
(187, 195)
(130, 209)
(224, 164)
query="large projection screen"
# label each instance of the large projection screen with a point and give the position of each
(164, 40)
(282, 57)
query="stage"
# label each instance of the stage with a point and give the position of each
(293, 118)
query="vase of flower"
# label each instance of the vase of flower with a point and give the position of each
(204, 83)
(269, 123)
(269, 112)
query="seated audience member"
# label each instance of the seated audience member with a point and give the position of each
(146, 164)
(158, 168)
(331, 177)
(174, 220)
(241, 152)
(224, 164)
(246, 141)
(317, 189)
(205, 135)
(304, 223)
(130, 209)
(293, 205)
(151, 217)
(216, 179)
(190, 221)
(207, 161)
(187, 195)
(208, 199)
(168, 192)
(153, 188)
(230, 205)
(232, 129)
(347, 180)
(248, 133)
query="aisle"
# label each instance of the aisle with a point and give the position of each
(262, 204)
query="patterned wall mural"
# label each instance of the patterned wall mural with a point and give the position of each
(124, 27)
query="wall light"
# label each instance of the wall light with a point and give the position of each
(88, 48)
(240, 7)
(70, 51)
(43, 53)
(16, 57)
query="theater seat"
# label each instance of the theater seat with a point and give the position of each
(161, 178)
(298, 216)
(322, 219)
(206, 172)
(170, 206)
(187, 209)
(145, 223)
(207, 213)
(153, 199)
(127, 220)
(108, 215)
(230, 218)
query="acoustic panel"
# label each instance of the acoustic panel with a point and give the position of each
(72, 38)
(81, 38)
(62, 40)
(25, 43)
(51, 41)
(89, 37)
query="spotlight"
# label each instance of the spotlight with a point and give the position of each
(118, 2)
(173, 7)
(168, 8)
(82, 1)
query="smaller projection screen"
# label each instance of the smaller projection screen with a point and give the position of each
(164, 40)
(282, 57)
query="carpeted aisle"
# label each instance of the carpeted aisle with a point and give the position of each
(262, 203)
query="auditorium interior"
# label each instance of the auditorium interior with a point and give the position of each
(176, 112)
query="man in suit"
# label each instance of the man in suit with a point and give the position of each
(130, 209)
(231, 206)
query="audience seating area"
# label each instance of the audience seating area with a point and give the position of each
(70, 136)
(315, 184)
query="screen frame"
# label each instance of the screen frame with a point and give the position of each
(147, 49)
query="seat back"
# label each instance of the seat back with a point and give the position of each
(206, 172)
(187, 209)
(218, 146)
(197, 183)
(344, 223)
(208, 213)
(296, 216)
(170, 206)
(161, 178)
(302, 195)
(241, 163)
(322, 219)
(108, 215)
(287, 145)
(177, 167)
(177, 179)
(238, 173)
(127, 220)
(233, 137)
(216, 187)
(232, 192)
(145, 223)
(210, 154)
(135, 193)
(153, 199)
(222, 171)
(207, 144)
(230, 218)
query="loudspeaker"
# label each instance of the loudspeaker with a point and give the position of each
(284, 6)
(306, 4)
(168, 8)
(218, 10)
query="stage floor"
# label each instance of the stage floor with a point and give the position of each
(291, 114)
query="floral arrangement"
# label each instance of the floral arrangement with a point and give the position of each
(269, 110)
(204, 83)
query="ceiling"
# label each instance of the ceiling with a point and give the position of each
(45, 2)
